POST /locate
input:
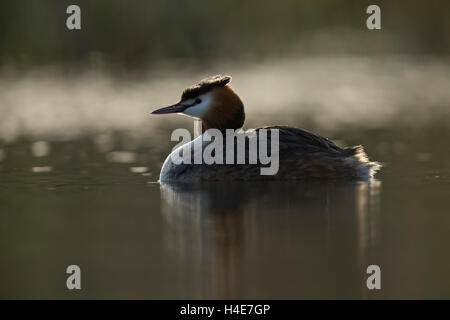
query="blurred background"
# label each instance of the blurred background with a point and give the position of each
(80, 153)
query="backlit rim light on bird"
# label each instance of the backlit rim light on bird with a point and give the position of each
(208, 148)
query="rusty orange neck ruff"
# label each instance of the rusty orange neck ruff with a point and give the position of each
(226, 111)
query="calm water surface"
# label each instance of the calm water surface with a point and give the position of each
(80, 159)
(135, 238)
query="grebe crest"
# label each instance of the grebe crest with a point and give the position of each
(213, 101)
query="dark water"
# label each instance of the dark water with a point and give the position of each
(80, 157)
(74, 202)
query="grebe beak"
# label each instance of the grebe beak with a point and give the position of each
(176, 108)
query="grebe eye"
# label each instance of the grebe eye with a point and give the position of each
(198, 100)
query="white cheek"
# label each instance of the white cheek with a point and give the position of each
(199, 110)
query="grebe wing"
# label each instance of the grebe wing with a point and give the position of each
(303, 140)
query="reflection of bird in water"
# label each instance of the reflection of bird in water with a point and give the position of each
(302, 154)
(222, 234)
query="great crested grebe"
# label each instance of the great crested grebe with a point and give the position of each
(301, 154)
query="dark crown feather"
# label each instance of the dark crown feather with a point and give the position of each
(204, 86)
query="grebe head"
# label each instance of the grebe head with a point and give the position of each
(213, 101)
